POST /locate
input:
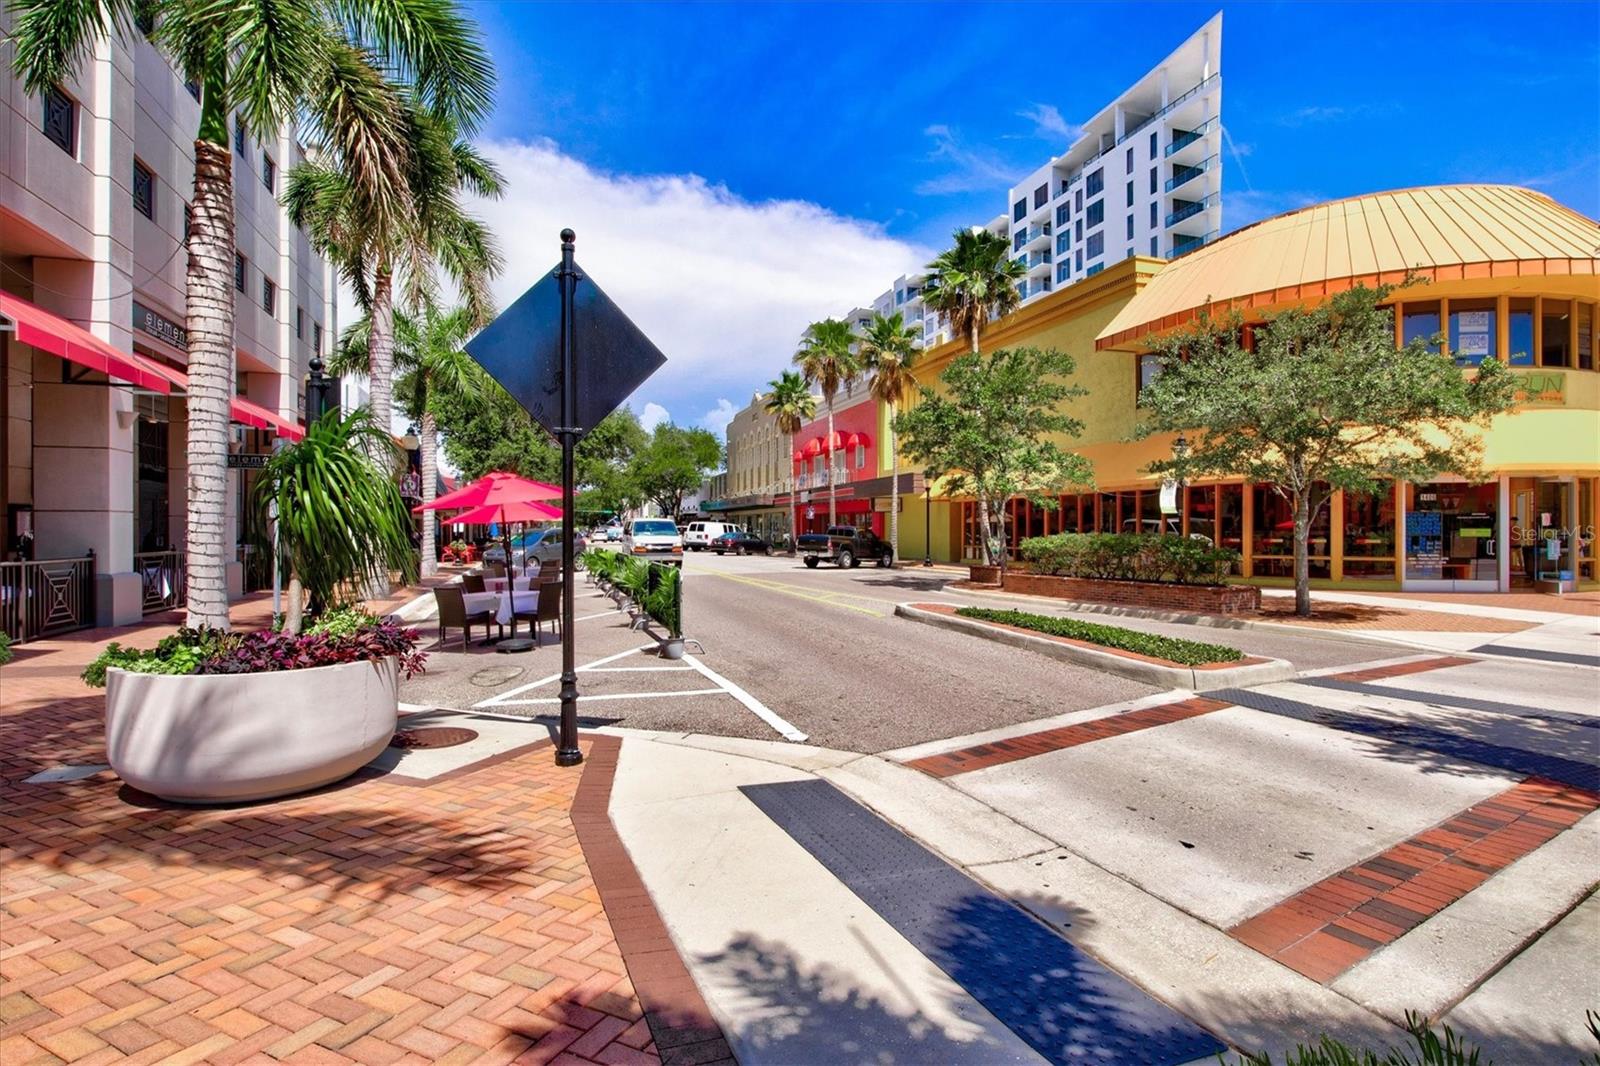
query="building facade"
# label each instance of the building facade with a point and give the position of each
(94, 184)
(759, 471)
(1511, 274)
(840, 469)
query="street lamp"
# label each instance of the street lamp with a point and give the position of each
(927, 518)
(319, 389)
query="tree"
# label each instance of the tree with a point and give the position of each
(973, 282)
(672, 463)
(828, 359)
(1321, 401)
(889, 353)
(792, 404)
(318, 63)
(429, 353)
(341, 519)
(988, 434)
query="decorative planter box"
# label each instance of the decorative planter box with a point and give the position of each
(1199, 599)
(979, 574)
(231, 738)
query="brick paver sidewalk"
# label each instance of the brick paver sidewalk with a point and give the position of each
(373, 921)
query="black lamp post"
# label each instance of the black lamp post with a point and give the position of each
(1180, 450)
(319, 390)
(927, 518)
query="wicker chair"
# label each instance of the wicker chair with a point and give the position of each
(549, 606)
(453, 615)
(472, 583)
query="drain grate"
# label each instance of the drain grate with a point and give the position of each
(432, 737)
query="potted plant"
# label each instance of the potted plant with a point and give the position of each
(209, 716)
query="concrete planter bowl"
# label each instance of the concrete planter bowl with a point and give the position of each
(232, 738)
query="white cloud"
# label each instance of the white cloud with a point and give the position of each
(1049, 125)
(652, 416)
(723, 285)
(717, 419)
(968, 169)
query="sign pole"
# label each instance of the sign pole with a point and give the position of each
(567, 753)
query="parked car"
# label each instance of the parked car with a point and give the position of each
(697, 536)
(845, 546)
(739, 542)
(646, 535)
(541, 544)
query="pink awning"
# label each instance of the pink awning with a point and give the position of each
(506, 512)
(51, 333)
(495, 487)
(249, 413)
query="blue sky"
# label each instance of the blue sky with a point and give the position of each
(735, 170)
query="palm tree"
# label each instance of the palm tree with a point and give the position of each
(319, 64)
(430, 354)
(791, 404)
(973, 282)
(340, 516)
(376, 248)
(889, 352)
(827, 358)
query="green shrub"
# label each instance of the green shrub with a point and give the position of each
(1172, 649)
(663, 598)
(1432, 1050)
(5, 647)
(180, 653)
(1129, 557)
(343, 621)
(632, 577)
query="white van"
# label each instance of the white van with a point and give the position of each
(697, 536)
(646, 535)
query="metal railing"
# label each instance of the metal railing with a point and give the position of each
(1191, 208)
(1172, 105)
(1188, 137)
(161, 579)
(1188, 174)
(1189, 245)
(46, 596)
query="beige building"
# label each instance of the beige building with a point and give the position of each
(759, 470)
(94, 183)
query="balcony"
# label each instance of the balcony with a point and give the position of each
(1183, 175)
(1184, 244)
(1034, 234)
(1039, 258)
(1182, 139)
(1183, 209)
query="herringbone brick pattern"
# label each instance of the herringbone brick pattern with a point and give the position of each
(368, 922)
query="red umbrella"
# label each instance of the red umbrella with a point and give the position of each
(510, 512)
(493, 489)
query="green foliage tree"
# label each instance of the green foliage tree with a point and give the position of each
(330, 67)
(341, 519)
(429, 353)
(792, 404)
(672, 464)
(889, 354)
(988, 434)
(973, 282)
(828, 358)
(1322, 401)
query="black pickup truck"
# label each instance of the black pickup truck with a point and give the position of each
(844, 546)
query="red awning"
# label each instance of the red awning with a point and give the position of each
(51, 333)
(858, 440)
(249, 413)
(813, 447)
(171, 374)
(799, 456)
(835, 441)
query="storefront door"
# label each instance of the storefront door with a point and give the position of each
(1451, 531)
(1552, 567)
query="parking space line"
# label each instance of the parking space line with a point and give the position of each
(505, 697)
(756, 707)
(592, 698)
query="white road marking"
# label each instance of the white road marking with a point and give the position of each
(756, 707)
(626, 696)
(633, 669)
(505, 697)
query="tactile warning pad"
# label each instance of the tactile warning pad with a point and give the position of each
(1063, 1003)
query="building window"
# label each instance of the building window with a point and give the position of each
(1080, 259)
(144, 17)
(300, 323)
(1149, 369)
(1095, 183)
(1078, 196)
(1130, 232)
(316, 337)
(861, 456)
(1063, 271)
(1152, 145)
(194, 89)
(60, 120)
(1080, 229)
(1472, 331)
(1521, 332)
(238, 271)
(1130, 194)
(269, 295)
(1096, 214)
(188, 220)
(144, 190)
(1420, 322)
(239, 141)
(269, 172)
(1062, 214)
(1019, 210)
(1129, 167)
(1041, 195)
(1155, 247)
(1063, 241)
(1097, 245)
(1585, 314)
(1152, 181)
(1556, 342)
(1019, 239)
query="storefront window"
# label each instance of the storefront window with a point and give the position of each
(1202, 503)
(1107, 515)
(1036, 519)
(1586, 524)
(1521, 333)
(1127, 512)
(1472, 331)
(1067, 516)
(1272, 540)
(1419, 322)
(1585, 313)
(1556, 342)
(1450, 532)
(1369, 533)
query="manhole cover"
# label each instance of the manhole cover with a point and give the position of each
(432, 737)
(494, 677)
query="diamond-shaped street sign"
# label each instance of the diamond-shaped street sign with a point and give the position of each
(521, 349)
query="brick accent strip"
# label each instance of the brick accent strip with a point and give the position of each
(999, 752)
(680, 1022)
(1334, 924)
(1378, 673)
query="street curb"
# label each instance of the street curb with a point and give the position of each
(1175, 676)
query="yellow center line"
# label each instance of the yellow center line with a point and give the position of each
(824, 598)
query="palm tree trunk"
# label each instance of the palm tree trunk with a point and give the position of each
(894, 490)
(429, 448)
(294, 609)
(973, 336)
(832, 518)
(208, 292)
(380, 350)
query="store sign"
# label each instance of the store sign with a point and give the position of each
(159, 326)
(247, 460)
(1541, 386)
(1169, 497)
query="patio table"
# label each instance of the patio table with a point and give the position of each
(502, 604)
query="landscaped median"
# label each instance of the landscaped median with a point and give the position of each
(1157, 660)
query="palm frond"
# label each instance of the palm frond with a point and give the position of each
(432, 46)
(53, 38)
